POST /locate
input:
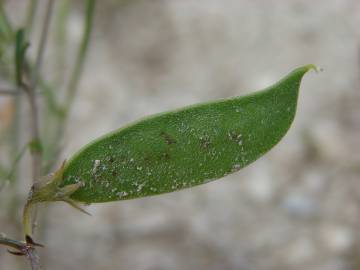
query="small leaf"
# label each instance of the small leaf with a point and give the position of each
(185, 147)
(20, 49)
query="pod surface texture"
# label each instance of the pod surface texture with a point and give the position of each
(186, 147)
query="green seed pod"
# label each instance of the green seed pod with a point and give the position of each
(186, 147)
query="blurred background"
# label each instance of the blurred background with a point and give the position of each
(298, 207)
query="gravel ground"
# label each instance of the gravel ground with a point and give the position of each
(296, 208)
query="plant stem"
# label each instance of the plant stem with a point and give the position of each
(17, 157)
(34, 259)
(23, 248)
(62, 17)
(53, 146)
(76, 74)
(33, 4)
(35, 142)
(10, 242)
(36, 151)
(42, 44)
(27, 218)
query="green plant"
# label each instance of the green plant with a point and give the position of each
(159, 154)
(22, 79)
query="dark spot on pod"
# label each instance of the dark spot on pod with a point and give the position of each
(205, 142)
(119, 159)
(147, 159)
(168, 139)
(165, 156)
(235, 136)
(232, 135)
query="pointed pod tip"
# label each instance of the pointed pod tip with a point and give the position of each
(313, 67)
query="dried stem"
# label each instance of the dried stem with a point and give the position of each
(30, 90)
(23, 249)
(35, 142)
(34, 259)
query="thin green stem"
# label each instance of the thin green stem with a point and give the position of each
(15, 154)
(53, 147)
(42, 44)
(61, 40)
(15, 162)
(31, 10)
(27, 218)
(80, 59)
